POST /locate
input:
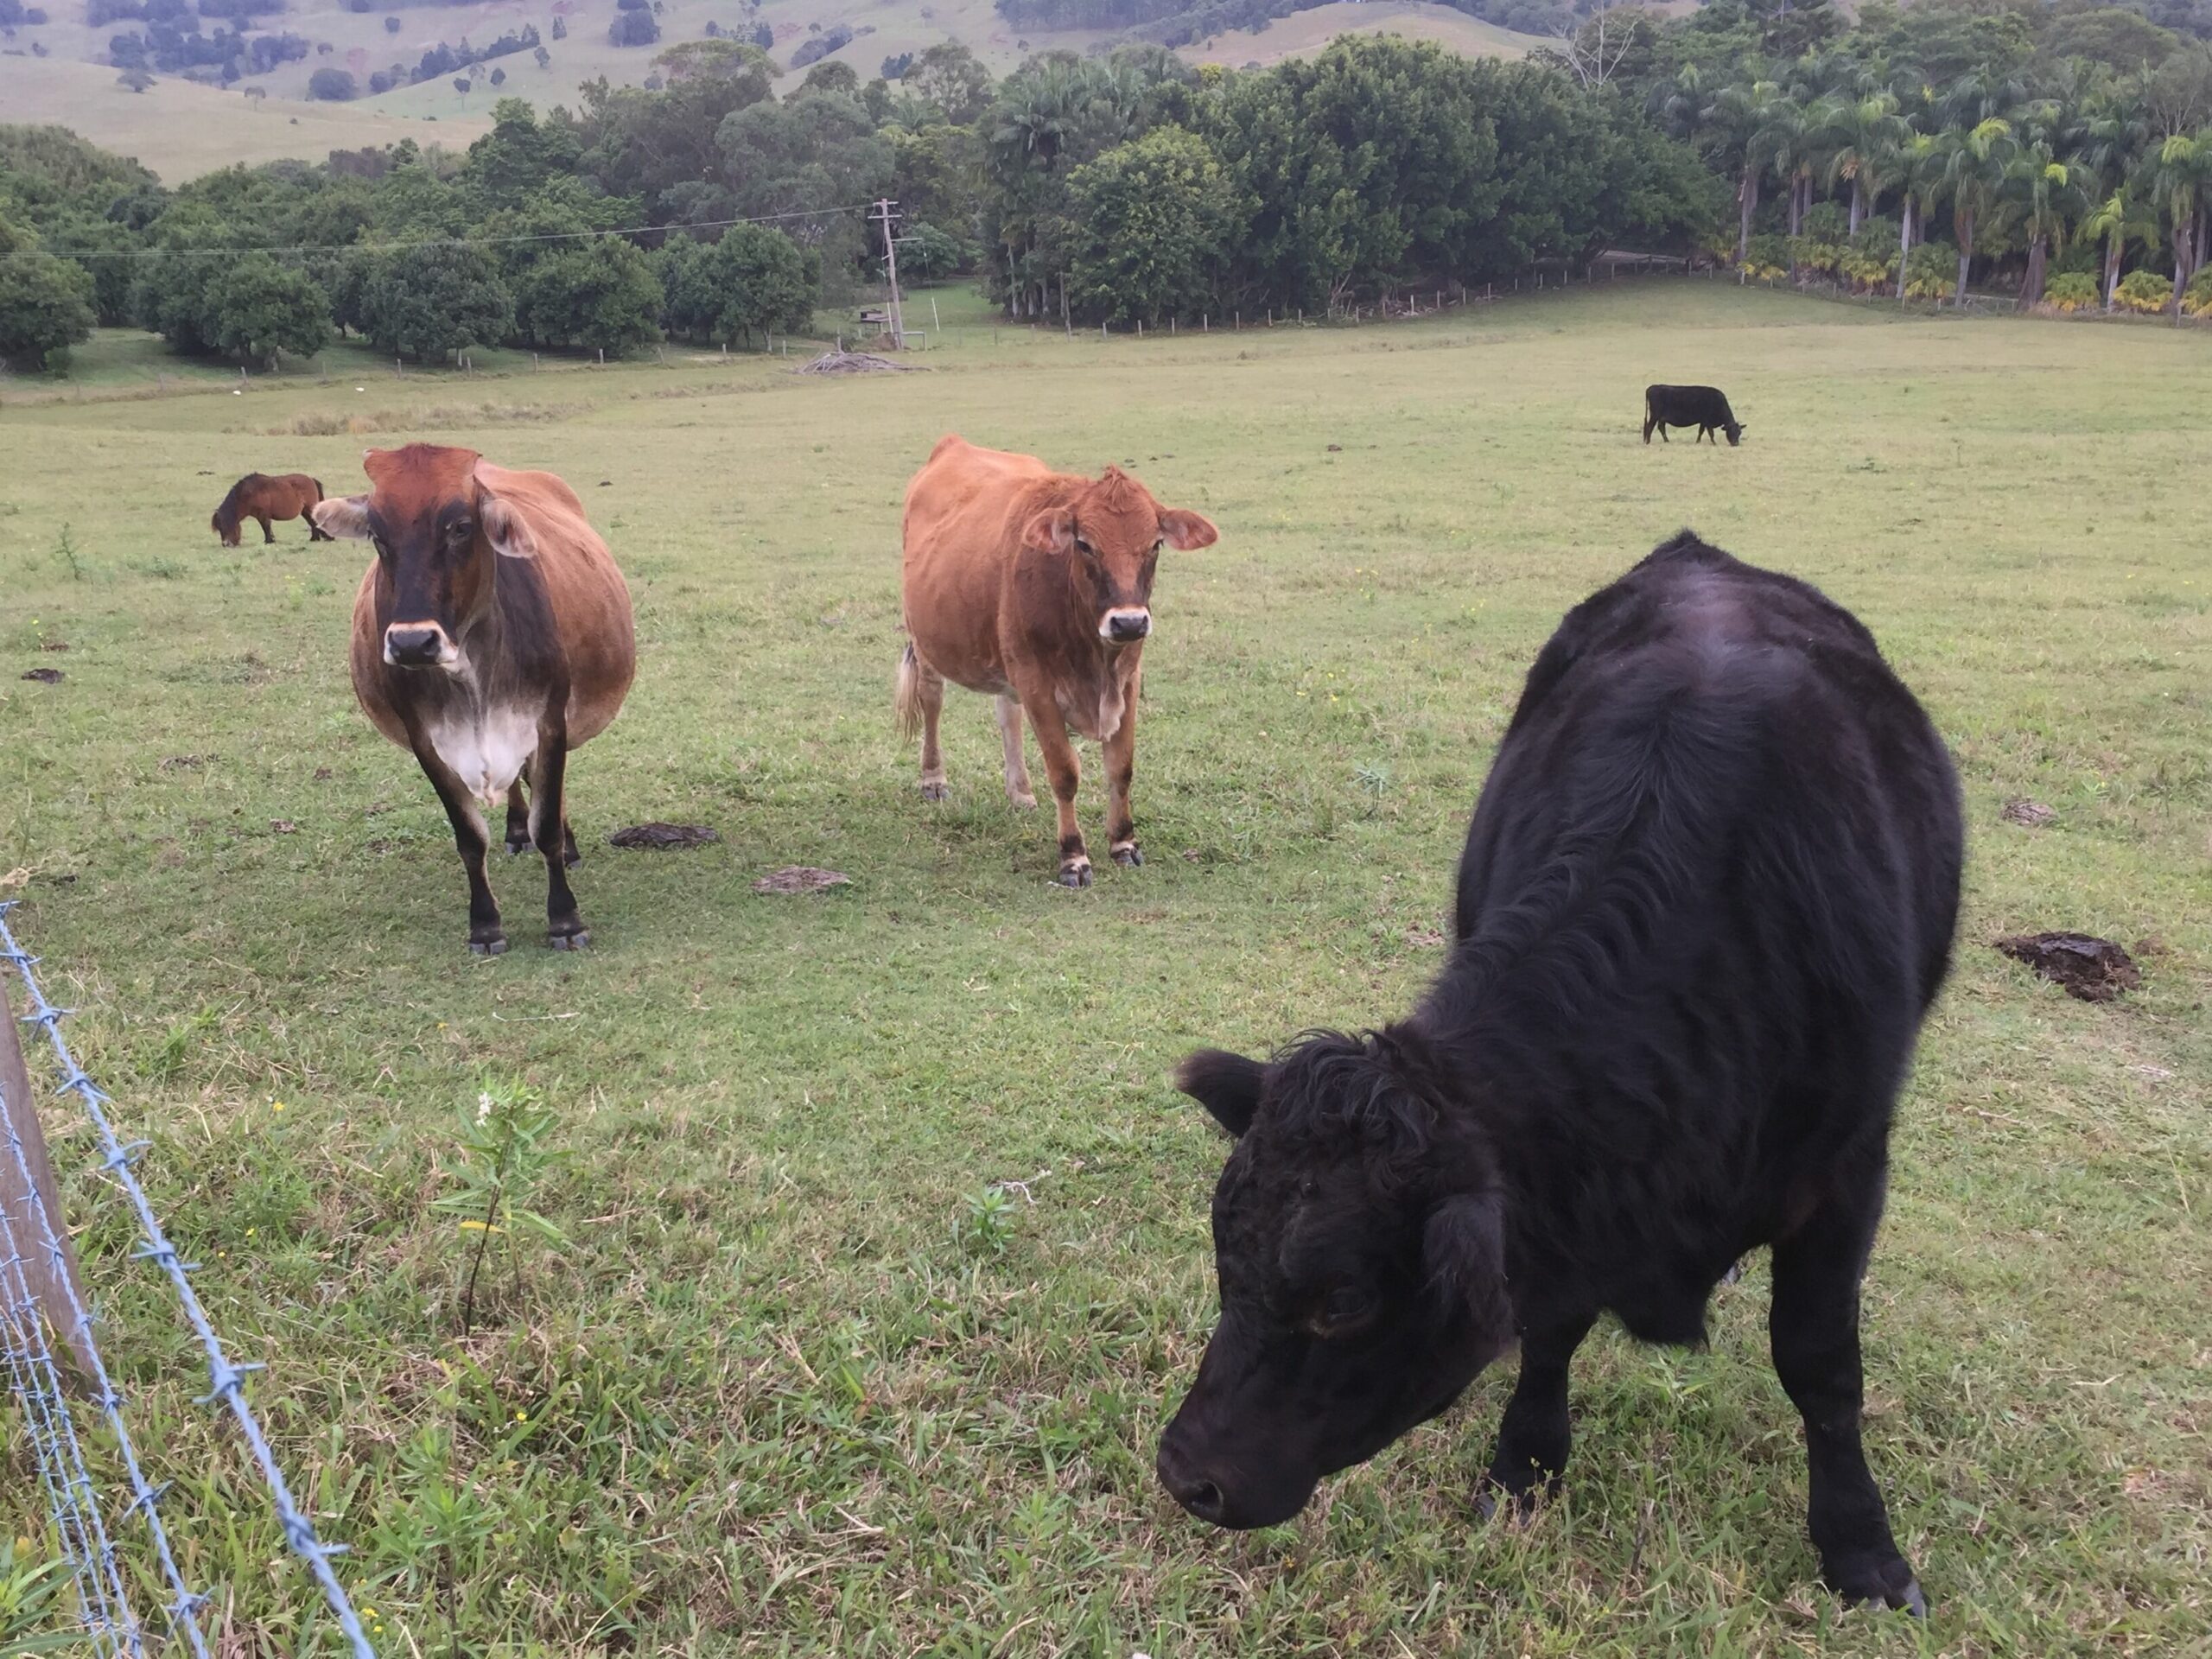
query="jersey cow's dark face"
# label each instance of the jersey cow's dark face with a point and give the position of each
(1114, 532)
(1362, 1278)
(436, 531)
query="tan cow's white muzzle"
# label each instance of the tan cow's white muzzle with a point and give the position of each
(418, 645)
(1125, 624)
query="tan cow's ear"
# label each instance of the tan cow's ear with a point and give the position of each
(504, 528)
(1183, 530)
(1050, 531)
(346, 517)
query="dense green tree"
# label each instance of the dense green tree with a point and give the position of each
(936, 175)
(186, 251)
(2112, 35)
(519, 156)
(754, 281)
(950, 79)
(1154, 224)
(831, 76)
(601, 296)
(643, 143)
(929, 254)
(2116, 222)
(257, 308)
(816, 150)
(428, 302)
(46, 307)
(1971, 178)
(2177, 176)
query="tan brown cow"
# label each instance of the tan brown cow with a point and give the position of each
(1035, 588)
(491, 634)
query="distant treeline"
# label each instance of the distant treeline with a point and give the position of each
(2062, 154)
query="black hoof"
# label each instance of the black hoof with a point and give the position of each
(575, 941)
(1493, 1502)
(516, 846)
(1880, 1586)
(492, 947)
(571, 857)
(1075, 875)
(1128, 857)
(934, 791)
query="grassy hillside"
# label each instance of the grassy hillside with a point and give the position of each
(180, 129)
(211, 127)
(790, 1386)
(1306, 32)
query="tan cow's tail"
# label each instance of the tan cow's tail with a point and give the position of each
(906, 696)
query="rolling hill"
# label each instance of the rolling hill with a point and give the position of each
(179, 127)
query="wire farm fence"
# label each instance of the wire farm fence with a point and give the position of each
(41, 1300)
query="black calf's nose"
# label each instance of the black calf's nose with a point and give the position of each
(1201, 1497)
(411, 644)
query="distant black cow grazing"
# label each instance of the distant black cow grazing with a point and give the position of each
(1707, 897)
(1702, 407)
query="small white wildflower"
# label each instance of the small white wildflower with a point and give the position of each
(483, 1106)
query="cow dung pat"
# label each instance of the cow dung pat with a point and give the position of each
(800, 878)
(45, 675)
(663, 837)
(2095, 970)
(2034, 814)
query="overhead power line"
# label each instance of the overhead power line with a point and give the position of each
(429, 242)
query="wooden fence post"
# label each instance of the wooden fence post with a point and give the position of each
(50, 1282)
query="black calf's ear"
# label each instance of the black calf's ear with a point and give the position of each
(1226, 1085)
(1462, 1247)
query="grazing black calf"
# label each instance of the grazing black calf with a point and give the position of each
(1702, 407)
(1708, 895)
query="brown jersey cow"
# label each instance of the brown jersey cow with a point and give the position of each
(261, 497)
(1035, 588)
(491, 634)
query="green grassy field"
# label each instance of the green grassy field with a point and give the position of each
(782, 1391)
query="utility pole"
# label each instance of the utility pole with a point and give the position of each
(883, 209)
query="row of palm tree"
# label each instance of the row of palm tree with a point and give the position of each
(2079, 157)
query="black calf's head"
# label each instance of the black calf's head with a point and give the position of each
(1735, 431)
(1361, 1253)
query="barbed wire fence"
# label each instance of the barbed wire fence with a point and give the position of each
(34, 1252)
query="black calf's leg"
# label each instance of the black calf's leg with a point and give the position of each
(518, 818)
(1814, 1328)
(1533, 1435)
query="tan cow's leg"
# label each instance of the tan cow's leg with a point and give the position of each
(1052, 729)
(518, 818)
(928, 689)
(1017, 768)
(1121, 765)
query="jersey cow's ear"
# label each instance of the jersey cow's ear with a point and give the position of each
(504, 529)
(1050, 531)
(1184, 529)
(346, 517)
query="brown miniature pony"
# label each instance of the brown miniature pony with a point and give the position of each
(261, 497)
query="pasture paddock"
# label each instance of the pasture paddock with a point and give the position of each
(782, 1392)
